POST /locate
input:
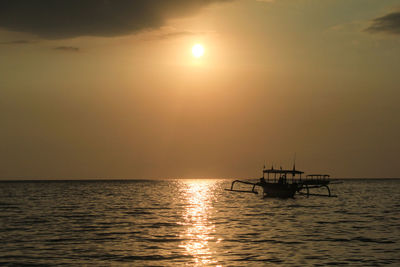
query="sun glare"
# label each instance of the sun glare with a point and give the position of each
(198, 50)
(199, 237)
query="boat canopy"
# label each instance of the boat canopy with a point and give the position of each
(282, 171)
(318, 175)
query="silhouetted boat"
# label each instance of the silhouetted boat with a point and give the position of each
(278, 184)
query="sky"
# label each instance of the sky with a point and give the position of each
(111, 90)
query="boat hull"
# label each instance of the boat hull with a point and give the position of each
(279, 190)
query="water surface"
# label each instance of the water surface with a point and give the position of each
(196, 223)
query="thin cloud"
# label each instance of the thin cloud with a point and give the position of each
(16, 42)
(175, 34)
(171, 33)
(389, 23)
(61, 19)
(67, 48)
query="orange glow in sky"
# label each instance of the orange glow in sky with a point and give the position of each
(198, 89)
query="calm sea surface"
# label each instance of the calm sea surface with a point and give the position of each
(196, 223)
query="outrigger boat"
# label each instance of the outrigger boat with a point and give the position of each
(279, 184)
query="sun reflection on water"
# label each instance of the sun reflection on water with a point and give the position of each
(199, 231)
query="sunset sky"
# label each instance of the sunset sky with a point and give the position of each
(111, 89)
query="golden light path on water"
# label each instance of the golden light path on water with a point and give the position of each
(199, 231)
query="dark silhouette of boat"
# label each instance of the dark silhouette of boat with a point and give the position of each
(286, 183)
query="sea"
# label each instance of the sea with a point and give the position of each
(196, 223)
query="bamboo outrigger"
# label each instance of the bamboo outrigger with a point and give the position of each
(278, 184)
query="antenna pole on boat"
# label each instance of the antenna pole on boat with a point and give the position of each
(294, 162)
(294, 166)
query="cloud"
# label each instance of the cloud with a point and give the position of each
(169, 35)
(390, 23)
(165, 33)
(67, 48)
(58, 19)
(16, 42)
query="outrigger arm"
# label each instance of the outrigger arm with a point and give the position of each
(243, 191)
(307, 187)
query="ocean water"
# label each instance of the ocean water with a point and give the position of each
(196, 223)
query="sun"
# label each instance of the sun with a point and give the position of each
(198, 50)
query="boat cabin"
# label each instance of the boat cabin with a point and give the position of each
(282, 175)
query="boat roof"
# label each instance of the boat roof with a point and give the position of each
(315, 175)
(282, 171)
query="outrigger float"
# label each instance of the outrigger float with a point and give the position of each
(279, 184)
